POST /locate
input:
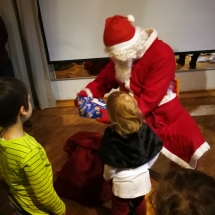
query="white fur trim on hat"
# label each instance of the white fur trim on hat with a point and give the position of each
(131, 18)
(124, 44)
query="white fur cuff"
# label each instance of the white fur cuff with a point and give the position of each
(88, 91)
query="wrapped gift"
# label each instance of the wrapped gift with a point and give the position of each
(90, 107)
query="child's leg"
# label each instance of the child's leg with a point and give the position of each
(139, 204)
(120, 206)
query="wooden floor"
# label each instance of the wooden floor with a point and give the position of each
(51, 128)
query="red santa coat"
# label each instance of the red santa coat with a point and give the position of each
(149, 82)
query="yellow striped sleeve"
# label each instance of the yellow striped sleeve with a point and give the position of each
(39, 173)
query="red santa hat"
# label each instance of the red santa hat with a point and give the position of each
(119, 33)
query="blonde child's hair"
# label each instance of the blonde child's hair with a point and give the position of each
(124, 112)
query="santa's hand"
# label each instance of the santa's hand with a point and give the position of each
(81, 93)
(104, 118)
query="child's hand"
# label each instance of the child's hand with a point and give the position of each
(104, 118)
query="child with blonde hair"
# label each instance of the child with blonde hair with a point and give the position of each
(23, 161)
(129, 148)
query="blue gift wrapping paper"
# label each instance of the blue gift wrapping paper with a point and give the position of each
(90, 107)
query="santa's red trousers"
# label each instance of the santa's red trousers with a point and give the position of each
(121, 206)
(178, 131)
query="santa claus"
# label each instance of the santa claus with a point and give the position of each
(144, 66)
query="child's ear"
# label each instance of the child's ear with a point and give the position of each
(22, 111)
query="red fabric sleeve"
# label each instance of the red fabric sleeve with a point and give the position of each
(104, 118)
(104, 82)
(157, 81)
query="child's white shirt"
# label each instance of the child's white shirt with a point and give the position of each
(130, 183)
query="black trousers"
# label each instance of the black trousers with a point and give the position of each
(18, 209)
(193, 60)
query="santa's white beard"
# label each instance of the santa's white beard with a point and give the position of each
(124, 58)
(123, 70)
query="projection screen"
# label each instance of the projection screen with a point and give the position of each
(73, 29)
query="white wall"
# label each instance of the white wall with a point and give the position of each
(189, 81)
(67, 89)
(196, 80)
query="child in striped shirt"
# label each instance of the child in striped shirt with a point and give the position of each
(23, 161)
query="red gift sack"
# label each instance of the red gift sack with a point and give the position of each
(81, 178)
